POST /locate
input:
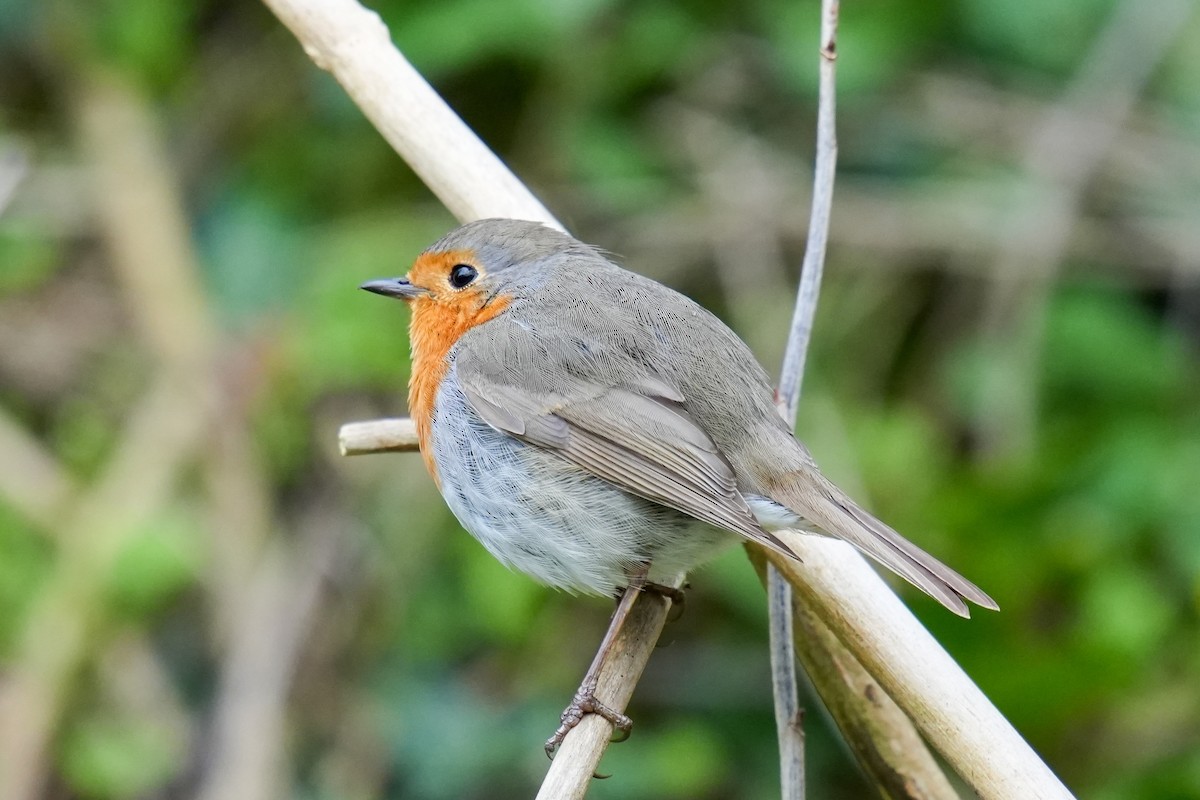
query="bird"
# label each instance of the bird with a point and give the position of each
(599, 431)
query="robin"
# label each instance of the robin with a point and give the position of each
(600, 432)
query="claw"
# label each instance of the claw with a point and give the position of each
(585, 702)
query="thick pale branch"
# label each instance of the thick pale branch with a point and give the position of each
(878, 731)
(947, 707)
(353, 44)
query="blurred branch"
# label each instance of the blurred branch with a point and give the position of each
(1062, 154)
(835, 581)
(14, 167)
(994, 120)
(142, 221)
(257, 602)
(31, 479)
(240, 504)
(144, 224)
(949, 223)
(58, 630)
(249, 726)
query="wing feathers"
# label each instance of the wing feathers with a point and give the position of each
(638, 438)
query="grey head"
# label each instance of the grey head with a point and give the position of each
(484, 253)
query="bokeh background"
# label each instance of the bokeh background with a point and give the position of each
(200, 599)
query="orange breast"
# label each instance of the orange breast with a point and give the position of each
(437, 323)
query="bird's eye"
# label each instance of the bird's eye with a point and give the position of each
(462, 274)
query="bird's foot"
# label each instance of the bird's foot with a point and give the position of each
(677, 596)
(584, 703)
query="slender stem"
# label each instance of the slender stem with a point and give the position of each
(792, 375)
(789, 717)
(779, 592)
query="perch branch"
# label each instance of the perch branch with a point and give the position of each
(947, 707)
(378, 436)
(858, 607)
(575, 763)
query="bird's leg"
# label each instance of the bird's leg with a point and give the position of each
(585, 701)
(673, 593)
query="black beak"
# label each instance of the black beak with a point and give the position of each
(394, 287)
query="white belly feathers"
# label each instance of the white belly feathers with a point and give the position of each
(538, 513)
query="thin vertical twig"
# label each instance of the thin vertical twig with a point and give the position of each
(144, 228)
(788, 715)
(791, 376)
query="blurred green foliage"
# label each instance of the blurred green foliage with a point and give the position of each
(426, 670)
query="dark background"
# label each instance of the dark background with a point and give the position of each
(200, 598)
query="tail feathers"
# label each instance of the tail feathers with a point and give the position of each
(828, 509)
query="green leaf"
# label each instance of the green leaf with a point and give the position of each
(118, 758)
(158, 561)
